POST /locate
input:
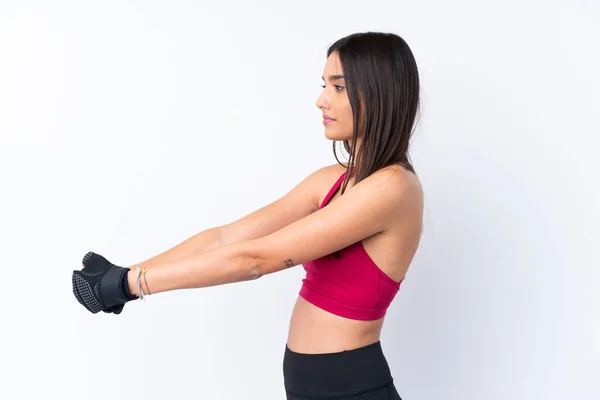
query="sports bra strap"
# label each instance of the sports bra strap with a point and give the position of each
(332, 190)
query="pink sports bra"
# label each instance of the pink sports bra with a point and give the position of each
(351, 285)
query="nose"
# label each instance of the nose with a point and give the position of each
(322, 101)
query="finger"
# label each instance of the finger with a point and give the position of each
(117, 309)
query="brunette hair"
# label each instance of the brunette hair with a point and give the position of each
(382, 82)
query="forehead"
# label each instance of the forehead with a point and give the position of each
(333, 66)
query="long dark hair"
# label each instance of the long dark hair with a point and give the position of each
(382, 82)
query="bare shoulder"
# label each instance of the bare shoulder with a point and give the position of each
(407, 187)
(406, 180)
(395, 178)
(324, 178)
(401, 187)
(331, 171)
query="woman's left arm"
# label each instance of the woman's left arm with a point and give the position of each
(228, 263)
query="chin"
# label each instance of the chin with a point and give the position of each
(338, 137)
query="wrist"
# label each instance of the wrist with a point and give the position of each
(131, 283)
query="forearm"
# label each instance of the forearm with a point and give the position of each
(199, 243)
(225, 264)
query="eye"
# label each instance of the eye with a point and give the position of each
(337, 87)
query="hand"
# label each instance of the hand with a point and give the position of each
(101, 285)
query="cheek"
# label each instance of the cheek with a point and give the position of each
(348, 121)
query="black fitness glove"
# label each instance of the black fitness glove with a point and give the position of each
(101, 285)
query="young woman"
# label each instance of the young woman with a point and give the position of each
(354, 227)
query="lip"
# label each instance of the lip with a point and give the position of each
(327, 121)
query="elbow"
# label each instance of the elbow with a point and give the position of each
(254, 274)
(266, 266)
(259, 268)
(259, 263)
(247, 260)
(239, 263)
(252, 265)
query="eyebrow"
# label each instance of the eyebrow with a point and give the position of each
(334, 77)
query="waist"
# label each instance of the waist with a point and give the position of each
(313, 330)
(348, 372)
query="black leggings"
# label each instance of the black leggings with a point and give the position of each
(358, 374)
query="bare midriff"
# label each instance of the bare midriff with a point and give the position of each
(315, 331)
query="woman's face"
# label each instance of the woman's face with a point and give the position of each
(334, 102)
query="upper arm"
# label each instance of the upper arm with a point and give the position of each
(366, 209)
(299, 202)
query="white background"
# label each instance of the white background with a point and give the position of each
(128, 126)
